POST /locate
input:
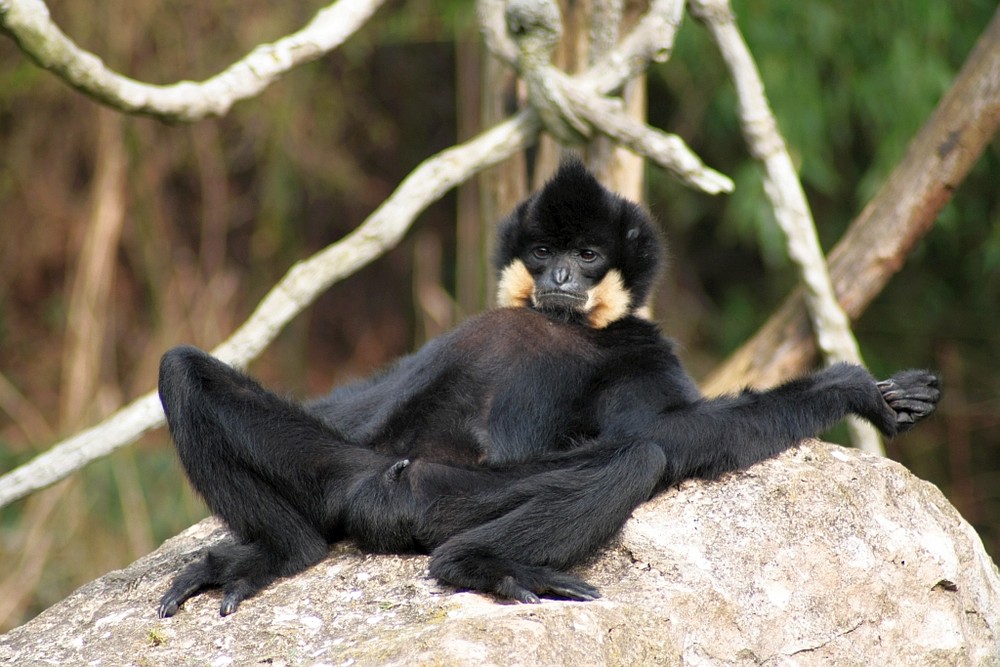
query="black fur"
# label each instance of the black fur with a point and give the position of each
(510, 448)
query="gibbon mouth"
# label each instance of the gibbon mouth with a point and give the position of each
(560, 298)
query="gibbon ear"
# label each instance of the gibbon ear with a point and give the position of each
(641, 253)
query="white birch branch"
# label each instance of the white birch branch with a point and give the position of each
(28, 22)
(791, 210)
(301, 285)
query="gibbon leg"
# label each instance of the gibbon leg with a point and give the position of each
(545, 522)
(277, 476)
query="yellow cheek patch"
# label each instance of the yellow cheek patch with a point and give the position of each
(516, 286)
(608, 300)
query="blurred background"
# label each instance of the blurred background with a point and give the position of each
(120, 237)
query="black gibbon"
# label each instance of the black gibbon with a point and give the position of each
(508, 449)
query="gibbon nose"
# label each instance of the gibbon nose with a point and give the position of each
(561, 275)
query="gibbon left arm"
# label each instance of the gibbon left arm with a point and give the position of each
(711, 436)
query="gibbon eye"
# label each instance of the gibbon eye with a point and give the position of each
(588, 255)
(541, 252)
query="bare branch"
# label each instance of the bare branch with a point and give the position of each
(301, 285)
(791, 210)
(494, 29)
(536, 26)
(571, 109)
(604, 27)
(652, 40)
(781, 183)
(65, 458)
(28, 22)
(667, 150)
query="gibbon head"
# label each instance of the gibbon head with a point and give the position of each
(577, 250)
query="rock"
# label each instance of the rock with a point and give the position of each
(824, 556)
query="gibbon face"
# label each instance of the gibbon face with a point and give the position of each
(576, 250)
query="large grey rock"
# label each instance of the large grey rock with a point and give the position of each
(822, 557)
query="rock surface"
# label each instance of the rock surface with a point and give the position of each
(824, 556)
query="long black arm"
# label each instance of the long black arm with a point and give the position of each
(712, 436)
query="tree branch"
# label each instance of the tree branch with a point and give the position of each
(29, 24)
(652, 40)
(607, 116)
(571, 109)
